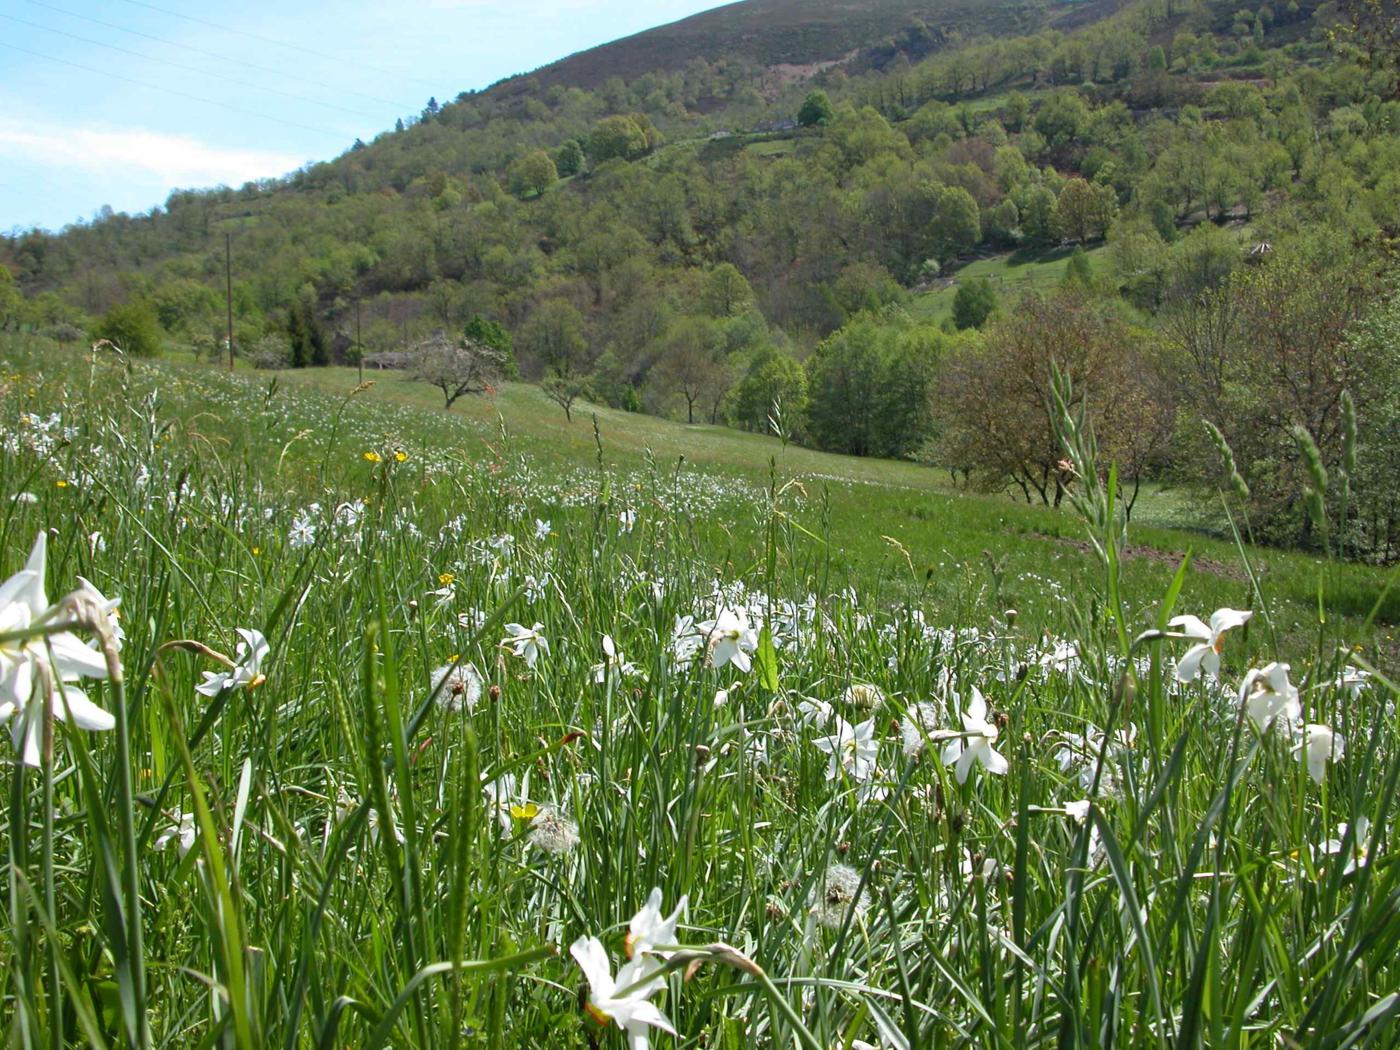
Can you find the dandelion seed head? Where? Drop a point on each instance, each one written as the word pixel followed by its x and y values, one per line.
pixel 839 892
pixel 552 832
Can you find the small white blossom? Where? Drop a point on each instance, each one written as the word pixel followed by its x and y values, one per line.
pixel 622 1000
pixel 183 830
pixel 613 663
pixel 526 642
pixel 1268 695
pixel 302 534
pixel 977 745
pixel 1320 745
pixel 1360 844
pixel 731 639
pixel 38 674
pixel 247 669
pixel 1205 655
pixel 1078 811
pixel 853 750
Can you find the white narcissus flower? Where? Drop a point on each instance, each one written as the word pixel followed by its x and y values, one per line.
pixel 812 712
pixel 1078 811
pixel 1267 695
pixel 976 744
pixel 614 661
pixel 649 928
pixel 106 606
pixel 852 749
pixel 526 642
pixel 183 830
pixel 1211 639
pixel 542 529
pixel 623 999
pixel 1063 658
pixel 247 665
pixel 53 662
pixel 1353 680
pixel 1320 746
pixel 731 639
pixel 1360 844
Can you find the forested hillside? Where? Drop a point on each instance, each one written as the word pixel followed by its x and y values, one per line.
pixel 1207 193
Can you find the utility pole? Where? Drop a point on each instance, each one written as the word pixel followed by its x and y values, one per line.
pixel 359 346
pixel 228 293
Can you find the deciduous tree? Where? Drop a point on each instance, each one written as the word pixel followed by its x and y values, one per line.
pixel 457 367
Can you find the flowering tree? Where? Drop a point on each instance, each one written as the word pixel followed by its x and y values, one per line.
pixel 457 368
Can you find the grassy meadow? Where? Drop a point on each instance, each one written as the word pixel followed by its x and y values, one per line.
pixel 1013 275
pixel 405 713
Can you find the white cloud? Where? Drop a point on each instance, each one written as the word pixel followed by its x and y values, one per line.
pixel 125 153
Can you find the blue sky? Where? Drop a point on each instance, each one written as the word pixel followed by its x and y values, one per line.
pixel 117 102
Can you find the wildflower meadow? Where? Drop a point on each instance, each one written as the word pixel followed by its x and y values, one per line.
pixel 328 734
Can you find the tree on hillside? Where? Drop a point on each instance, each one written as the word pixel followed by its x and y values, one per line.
pixel 1371 29
pixel 957 223
pixel 726 292
pixel 491 333
pixel 132 326
pixel 691 365
pixel 816 110
pixel 1078 271
pixel 532 174
pixel 869 387
pixel 974 302
pixel 564 390
pixel 1271 349
pixel 456 367
pixel 10 299
pixel 304 334
pixel 616 137
pixel 774 385
pixel 1061 118
pixel 1084 211
pixel 570 159
pixel 554 336
pixel 998 410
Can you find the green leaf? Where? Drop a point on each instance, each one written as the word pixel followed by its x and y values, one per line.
pixel 766 660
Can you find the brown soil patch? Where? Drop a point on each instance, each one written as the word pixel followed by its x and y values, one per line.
pixel 1210 565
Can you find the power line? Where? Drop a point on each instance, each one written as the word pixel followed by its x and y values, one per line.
pixel 189 69
pixel 225 58
pixel 339 60
pixel 167 91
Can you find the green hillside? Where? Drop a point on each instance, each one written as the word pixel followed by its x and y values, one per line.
pixel 708 240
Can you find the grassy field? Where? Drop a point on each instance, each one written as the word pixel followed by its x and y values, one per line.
pixel 889 524
pixel 404 716
pixel 1012 275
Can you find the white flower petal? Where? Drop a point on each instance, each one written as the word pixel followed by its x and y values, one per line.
pixel 85 714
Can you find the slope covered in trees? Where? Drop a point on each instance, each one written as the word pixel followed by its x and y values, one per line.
pixel 714 241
